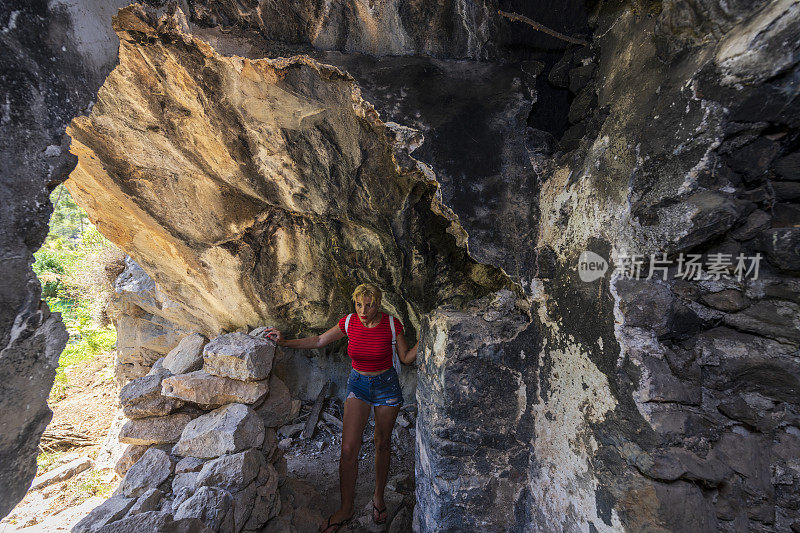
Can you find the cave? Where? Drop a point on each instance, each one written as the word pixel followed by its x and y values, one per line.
pixel 527 183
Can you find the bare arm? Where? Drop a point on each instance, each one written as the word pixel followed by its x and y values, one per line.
pixel 406 356
pixel 317 341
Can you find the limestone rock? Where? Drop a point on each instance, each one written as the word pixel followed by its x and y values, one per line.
pixel 782 246
pixel 110 510
pixel 210 390
pixel 211 505
pixel 185 479
pixel 259 200
pixel 267 502
pixel 149 501
pixel 142 398
pixel 148 521
pixel 187 356
pixel 154 430
pixel 129 456
pixel 278 408
pixel 189 464
pixel 148 323
pixel 63 472
pixel 229 429
pixel 186 525
pixel 239 356
pixel 232 472
pixel 154 467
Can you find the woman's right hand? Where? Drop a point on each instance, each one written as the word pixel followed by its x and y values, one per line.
pixel 274 334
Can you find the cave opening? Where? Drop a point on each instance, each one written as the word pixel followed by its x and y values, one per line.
pixel 258 161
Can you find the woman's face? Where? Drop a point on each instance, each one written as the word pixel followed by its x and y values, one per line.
pixel 366 308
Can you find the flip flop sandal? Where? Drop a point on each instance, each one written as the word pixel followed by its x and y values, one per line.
pixel 338 525
pixel 380 512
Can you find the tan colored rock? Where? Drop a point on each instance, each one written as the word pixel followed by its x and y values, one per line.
pixel 187 356
pixel 154 430
pixel 204 389
pixel 239 356
pixel 129 456
pixel 283 150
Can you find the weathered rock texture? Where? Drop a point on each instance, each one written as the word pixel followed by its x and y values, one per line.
pixel 257 190
pixel 149 325
pixel 55 55
pixel 288 189
pixel 224 469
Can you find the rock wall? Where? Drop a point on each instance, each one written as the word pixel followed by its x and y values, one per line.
pixel 258 171
pixel 54 56
pixel 262 191
pixel 202 444
pixel 671 404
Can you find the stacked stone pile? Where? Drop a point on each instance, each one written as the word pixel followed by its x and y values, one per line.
pixel 202 449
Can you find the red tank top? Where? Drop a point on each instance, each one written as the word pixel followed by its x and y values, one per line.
pixel 370 348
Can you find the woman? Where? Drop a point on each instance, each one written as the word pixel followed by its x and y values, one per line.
pixel 372 382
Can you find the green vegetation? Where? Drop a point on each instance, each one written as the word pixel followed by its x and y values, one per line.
pixel 76 267
pixel 92 485
pixel 46 461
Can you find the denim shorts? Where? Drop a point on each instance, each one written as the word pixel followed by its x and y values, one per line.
pixel 383 389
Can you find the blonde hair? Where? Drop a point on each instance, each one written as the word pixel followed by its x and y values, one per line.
pixel 368 289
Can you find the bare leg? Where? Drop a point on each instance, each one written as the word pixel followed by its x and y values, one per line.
pixel 385 416
pixel 356 413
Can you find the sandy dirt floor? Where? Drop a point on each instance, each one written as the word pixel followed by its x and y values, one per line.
pixel 319 468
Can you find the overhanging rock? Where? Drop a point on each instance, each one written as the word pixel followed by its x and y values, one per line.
pixel 258 191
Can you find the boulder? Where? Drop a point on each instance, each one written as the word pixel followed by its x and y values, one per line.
pixel 229 429
pixel 211 505
pixel 154 430
pixel 150 471
pixel 189 464
pixel 140 523
pixel 110 510
pixel 142 397
pixel 149 501
pixel 243 503
pixel 186 479
pixel 267 503
pixel 782 246
pixel 232 472
pixel 158 368
pixel 210 390
pixel 130 455
pixel 186 525
pixel 62 473
pixel 187 356
pixel 239 356
pixel 278 408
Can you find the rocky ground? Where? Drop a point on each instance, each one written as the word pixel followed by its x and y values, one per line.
pixel 313 467
pixel 85 476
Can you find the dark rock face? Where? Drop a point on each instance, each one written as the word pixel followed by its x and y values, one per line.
pixel 473 427
pixel 656 394
pixel 53 62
